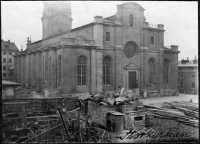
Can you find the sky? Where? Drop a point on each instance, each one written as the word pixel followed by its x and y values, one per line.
pixel 22 19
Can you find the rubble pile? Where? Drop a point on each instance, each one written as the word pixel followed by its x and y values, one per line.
pixel 113 97
pixel 123 101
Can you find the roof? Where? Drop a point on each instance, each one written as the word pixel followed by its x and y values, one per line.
pixel 189 64
pixel 117 113
pixel 57 35
pixel 7 45
pixel 10 83
pixel 132 3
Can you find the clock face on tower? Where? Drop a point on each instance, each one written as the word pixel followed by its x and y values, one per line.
pixel 131 50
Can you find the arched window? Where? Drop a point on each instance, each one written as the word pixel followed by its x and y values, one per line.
pixel 166 71
pixel 131 20
pixel 82 61
pixel 152 40
pixel 151 70
pixel 59 70
pixel 107 36
pixel 106 70
pixel 49 68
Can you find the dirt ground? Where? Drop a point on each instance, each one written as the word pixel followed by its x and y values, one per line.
pixel 157 101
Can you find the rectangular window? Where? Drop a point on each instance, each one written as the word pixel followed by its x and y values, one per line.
pixel 4 74
pixel 193 76
pixel 107 36
pixel 11 73
pixel 10 53
pixel 4 67
pixel 152 40
pixel 193 85
pixel 181 76
pixel 4 60
pixel 4 53
pixel 10 60
pixel 181 84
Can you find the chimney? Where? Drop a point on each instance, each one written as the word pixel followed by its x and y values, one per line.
pixel 160 26
pixel 174 47
pixel 184 61
pixel 98 19
pixel 28 43
pixel 8 41
pixel 195 61
pixel 146 24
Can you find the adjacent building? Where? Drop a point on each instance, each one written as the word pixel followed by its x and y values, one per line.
pixel 8 50
pixel 122 50
pixel 188 76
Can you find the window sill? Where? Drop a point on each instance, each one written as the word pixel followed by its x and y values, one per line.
pixel 82 86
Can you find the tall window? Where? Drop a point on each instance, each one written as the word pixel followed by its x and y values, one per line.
pixel 151 70
pixel 82 70
pixel 4 53
pixel 131 20
pixel 4 67
pixel 49 71
pixel 59 70
pixel 10 60
pixel 193 85
pixel 152 40
pixel 166 71
pixel 4 60
pixel 181 84
pixel 107 36
pixel 106 70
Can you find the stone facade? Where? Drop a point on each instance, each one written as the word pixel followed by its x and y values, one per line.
pixel 188 76
pixel 8 50
pixel 125 39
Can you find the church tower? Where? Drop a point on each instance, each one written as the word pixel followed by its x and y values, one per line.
pixel 56 18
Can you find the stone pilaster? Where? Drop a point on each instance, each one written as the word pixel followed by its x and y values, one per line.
pixel 99 71
pixel 15 68
pixel 160 71
pixel 93 71
pixel 54 69
pixel 119 69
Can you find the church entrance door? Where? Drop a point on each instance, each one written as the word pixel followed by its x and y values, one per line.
pixel 132 82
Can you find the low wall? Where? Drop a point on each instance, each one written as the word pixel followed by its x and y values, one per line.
pixel 163 92
pixel 23 93
pixel 165 124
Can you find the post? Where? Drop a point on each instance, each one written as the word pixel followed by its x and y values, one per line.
pixel 78 122
pixel 59 110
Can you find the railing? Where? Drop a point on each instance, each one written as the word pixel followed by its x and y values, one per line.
pixel 55 134
pixel 152 26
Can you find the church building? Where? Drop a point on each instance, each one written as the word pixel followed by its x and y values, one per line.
pixel 122 50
